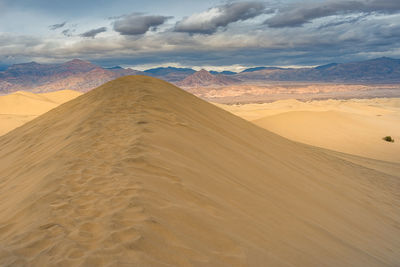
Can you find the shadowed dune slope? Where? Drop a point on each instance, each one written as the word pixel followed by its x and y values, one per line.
pixel 140 173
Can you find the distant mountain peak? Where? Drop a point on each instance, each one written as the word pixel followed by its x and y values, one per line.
pixel 203 71
pixel 78 61
pixel 170 74
pixel 115 68
pixel 28 64
pixel 75 74
pixel 326 66
pixel 169 68
pixel 260 68
pixel 224 72
pixel 205 78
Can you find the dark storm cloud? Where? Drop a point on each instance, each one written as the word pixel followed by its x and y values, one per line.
pixel 93 33
pixel 348 20
pixel 68 32
pixel 209 21
pixel 136 24
pixel 297 15
pixel 57 26
pixel 311 46
pixel 225 34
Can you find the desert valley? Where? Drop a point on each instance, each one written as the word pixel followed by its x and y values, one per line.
pixel 239 133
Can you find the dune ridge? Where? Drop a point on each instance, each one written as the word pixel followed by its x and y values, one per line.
pixel 140 173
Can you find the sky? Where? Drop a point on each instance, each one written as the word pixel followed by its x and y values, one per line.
pixel 214 34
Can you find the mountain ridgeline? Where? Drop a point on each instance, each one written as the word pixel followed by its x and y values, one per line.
pixel 83 76
pixel 73 75
pixel 204 78
pixel 375 71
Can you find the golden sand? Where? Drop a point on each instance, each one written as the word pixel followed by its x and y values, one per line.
pixel 140 173
pixel 354 126
pixel 20 107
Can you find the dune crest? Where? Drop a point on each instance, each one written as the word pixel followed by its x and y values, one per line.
pixel 139 172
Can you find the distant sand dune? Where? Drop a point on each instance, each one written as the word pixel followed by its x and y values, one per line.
pixel 140 173
pixel 21 107
pixel 352 126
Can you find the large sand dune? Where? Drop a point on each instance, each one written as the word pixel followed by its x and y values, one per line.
pixel 140 173
pixel 21 107
pixel 354 126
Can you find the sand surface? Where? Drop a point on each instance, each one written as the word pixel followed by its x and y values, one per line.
pixel 354 126
pixel 21 107
pixel 141 173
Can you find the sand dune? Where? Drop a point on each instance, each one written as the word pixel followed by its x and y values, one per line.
pixel 21 107
pixel 140 173
pixel 353 126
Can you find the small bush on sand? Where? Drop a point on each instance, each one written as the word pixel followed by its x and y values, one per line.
pixel 388 139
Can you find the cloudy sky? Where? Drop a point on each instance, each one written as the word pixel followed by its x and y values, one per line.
pixel 208 33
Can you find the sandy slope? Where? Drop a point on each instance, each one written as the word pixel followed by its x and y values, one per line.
pixel 141 173
pixel 21 107
pixel 353 126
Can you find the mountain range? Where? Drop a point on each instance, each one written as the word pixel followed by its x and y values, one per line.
pixel 74 75
pixel 170 74
pixel 204 78
pixel 380 70
pixel 83 76
pixel 225 72
pixel 260 68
